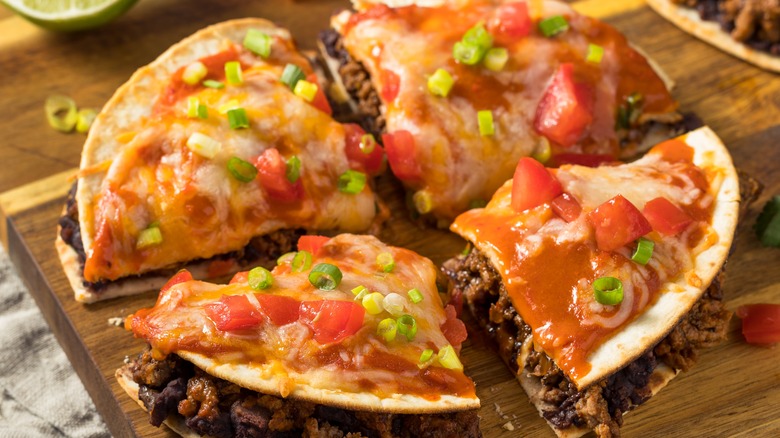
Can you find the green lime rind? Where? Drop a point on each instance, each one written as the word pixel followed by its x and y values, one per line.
pixel 75 23
pixel 768 223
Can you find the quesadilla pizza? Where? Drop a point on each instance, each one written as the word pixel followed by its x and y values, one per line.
pixel 459 91
pixel 219 154
pixel 600 284
pixel 346 337
pixel 747 29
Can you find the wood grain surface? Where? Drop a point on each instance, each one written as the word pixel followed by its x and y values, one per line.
pixel 733 391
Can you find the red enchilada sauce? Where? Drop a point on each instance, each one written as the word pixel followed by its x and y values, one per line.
pixel 551 288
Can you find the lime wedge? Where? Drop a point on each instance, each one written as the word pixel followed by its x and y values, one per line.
pixel 69 15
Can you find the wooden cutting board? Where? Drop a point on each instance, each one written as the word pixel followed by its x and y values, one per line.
pixel 733 391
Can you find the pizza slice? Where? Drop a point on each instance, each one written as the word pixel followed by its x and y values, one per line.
pixel 346 337
pixel 459 91
pixel 218 154
pixel 600 284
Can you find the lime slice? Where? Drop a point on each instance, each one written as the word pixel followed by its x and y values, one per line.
pixel 69 15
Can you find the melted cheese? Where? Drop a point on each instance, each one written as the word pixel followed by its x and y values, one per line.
pixel 458 164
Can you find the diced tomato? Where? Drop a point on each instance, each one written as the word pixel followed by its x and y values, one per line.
pixel 218 268
pixel 240 277
pixel 665 217
pixel 567 207
pixel 512 21
pixel 390 85
pixel 332 320
pixel 760 323
pixel 233 312
pixel 272 173
pixel 320 101
pixel 533 185
pixel 456 300
pixel 453 328
pixel 279 309
pixel 673 150
pixel 566 108
pixel 311 243
pixel 589 160
pixel 371 162
pixel 180 277
pixel 402 155
pixel 617 223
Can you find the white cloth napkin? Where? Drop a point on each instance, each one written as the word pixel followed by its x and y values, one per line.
pixel 40 394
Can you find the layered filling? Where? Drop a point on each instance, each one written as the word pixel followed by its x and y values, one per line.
pixel 210 406
pixel 261 250
pixel 755 23
pixel 601 405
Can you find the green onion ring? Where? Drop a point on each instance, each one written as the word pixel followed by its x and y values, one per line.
pixel 61 113
pixel 260 278
pixel 407 326
pixel 301 261
pixel 608 290
pixel 644 250
pixel 241 170
pixel 325 276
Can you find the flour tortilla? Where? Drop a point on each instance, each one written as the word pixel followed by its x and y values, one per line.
pixel 678 297
pixel 688 20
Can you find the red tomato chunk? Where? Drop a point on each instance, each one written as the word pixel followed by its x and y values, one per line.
pixel 370 162
pixel 402 155
pixel 233 312
pixel 566 108
pixel 760 323
pixel 567 207
pixel 512 21
pixel 331 320
pixel 279 309
pixel 617 222
pixel 311 243
pixel 665 217
pixel 180 277
pixel 390 85
pixel 533 185
pixel 272 173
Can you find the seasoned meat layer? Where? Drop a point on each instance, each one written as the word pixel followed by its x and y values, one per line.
pixel 753 22
pixel 601 406
pixel 261 250
pixel 215 407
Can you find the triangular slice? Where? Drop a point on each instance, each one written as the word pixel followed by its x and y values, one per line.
pixel 651 236
pixel 225 138
pixel 348 334
pixel 463 89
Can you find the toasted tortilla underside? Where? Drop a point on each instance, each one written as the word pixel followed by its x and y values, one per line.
pixel 676 297
pixel 688 20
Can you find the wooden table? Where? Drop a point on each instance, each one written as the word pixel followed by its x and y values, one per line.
pixel 734 390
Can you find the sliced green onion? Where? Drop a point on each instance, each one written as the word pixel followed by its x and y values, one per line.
pixel 373 303
pixel 385 261
pixel 260 278
pixel 352 182
pixel 478 36
pixel 85 118
pixel 367 143
pixel 629 111
pixel 595 53
pixel 440 83
pixel 449 359
pixel 359 292
pixel 258 42
pixel 291 75
pixel 477 203
pixel 543 151
pixel 211 83
pixel 149 237
pixel 467 54
pixel 485 122
pixel 192 107
pixel 394 304
pixel 423 201
pixel 305 90
pixel 301 261
pixel 194 73
pixel 233 73
pixel 241 170
pixel 496 58
pixel 415 295
pixel 286 258
pixel 386 329
pixel 644 250
pixel 767 224
pixel 237 118
pixel 61 113
pixel 293 170
pixel 203 111
pixel 608 290
pixel 553 26
pixel 325 276
pixel 227 106
pixel 426 355
pixel 467 250
pixel 407 326
pixel 203 145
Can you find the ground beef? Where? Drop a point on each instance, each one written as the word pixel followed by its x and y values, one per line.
pixel 357 81
pixel 601 406
pixel 215 407
pixel 261 250
pixel 753 22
